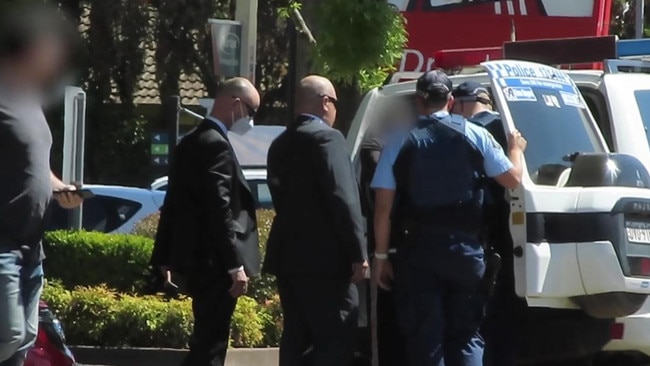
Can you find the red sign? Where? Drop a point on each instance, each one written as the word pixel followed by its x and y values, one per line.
pixel 435 25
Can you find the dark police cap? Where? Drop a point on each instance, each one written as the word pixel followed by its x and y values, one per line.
pixel 434 85
pixel 472 91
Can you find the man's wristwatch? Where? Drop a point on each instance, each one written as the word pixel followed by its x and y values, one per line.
pixel 381 256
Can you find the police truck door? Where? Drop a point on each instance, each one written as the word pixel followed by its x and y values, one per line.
pixel 544 104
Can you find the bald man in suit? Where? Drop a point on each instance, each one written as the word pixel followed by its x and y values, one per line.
pixel 207 231
pixel 316 247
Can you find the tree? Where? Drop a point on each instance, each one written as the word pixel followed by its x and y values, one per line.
pixel 358 44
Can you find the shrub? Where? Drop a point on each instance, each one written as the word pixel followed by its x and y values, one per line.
pixel 148 226
pixel 97 316
pixel 79 258
pixel 262 287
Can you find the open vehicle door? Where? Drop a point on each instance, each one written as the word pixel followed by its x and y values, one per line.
pixel 564 255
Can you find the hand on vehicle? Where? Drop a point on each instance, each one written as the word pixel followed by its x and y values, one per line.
pixel 517 141
pixel 359 271
pixel 67 199
pixel 239 284
pixel 382 272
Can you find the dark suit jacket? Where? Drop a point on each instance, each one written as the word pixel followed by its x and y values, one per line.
pixel 318 229
pixel 369 157
pixel 207 222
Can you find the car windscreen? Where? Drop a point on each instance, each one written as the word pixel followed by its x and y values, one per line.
pixel 643 103
pixel 556 124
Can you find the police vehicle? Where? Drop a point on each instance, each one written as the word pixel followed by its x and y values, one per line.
pixel 579 223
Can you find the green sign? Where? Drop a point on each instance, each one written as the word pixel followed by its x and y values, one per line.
pixel 159 149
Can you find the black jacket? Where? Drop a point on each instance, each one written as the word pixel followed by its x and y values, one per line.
pixel 318 229
pixel 207 222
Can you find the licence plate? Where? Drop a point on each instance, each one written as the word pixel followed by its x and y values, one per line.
pixel 638 232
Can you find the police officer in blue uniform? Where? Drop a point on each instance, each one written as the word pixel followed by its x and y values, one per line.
pixel 430 182
pixel 500 329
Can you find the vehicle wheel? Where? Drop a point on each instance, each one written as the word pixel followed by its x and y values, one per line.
pixel 610 305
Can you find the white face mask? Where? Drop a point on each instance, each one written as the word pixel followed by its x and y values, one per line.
pixel 242 125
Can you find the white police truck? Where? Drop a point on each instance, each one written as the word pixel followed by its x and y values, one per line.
pixel 579 223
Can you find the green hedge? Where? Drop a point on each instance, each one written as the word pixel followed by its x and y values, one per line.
pixel 98 316
pixel 95 280
pixel 120 261
pixel 89 259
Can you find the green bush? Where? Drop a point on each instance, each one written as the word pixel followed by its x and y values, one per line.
pixel 262 287
pixel 148 226
pixel 94 279
pixel 97 316
pixel 79 258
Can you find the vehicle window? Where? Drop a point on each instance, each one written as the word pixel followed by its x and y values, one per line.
pixel 554 132
pixel 106 214
pixel 643 102
pixel 597 105
pixel 162 188
pixel 59 218
pixel 100 213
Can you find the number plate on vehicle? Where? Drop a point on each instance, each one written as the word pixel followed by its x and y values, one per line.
pixel 638 232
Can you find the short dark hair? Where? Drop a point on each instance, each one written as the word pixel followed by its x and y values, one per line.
pixel 24 24
pixel 436 103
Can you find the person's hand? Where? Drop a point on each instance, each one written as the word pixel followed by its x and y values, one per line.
pixel 359 271
pixel 382 272
pixel 239 284
pixel 517 141
pixel 66 198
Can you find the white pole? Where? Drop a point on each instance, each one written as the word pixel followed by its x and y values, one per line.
pixel 246 13
pixel 639 22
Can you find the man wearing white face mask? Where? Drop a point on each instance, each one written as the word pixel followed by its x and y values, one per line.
pixel 207 231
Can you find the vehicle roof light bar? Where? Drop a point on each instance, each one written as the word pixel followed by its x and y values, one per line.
pixel 567 51
pixel 450 59
pixel 633 47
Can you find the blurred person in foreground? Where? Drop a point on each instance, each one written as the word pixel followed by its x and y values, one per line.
pixel 35 43
pixel 207 231
pixel 316 246
pixel 473 101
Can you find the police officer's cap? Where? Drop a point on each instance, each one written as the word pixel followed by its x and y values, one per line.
pixel 471 91
pixel 434 86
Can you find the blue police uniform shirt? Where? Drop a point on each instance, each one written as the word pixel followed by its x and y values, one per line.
pixel 495 161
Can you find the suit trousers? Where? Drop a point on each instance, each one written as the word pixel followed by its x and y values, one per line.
pixel 213 307
pixel 320 321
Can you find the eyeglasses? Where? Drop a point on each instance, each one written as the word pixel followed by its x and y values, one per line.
pixel 331 99
pixel 249 109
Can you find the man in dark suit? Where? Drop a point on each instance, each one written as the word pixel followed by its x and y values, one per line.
pixel 207 231
pixel 316 247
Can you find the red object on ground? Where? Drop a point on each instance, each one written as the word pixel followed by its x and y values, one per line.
pixel 435 25
pixel 49 349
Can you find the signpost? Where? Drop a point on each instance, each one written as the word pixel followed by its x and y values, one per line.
pixel 234 42
pixel 160 148
pixel 74 136
pixel 226 47
pixel 246 14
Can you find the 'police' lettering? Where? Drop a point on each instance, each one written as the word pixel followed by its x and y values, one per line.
pixel 520 71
